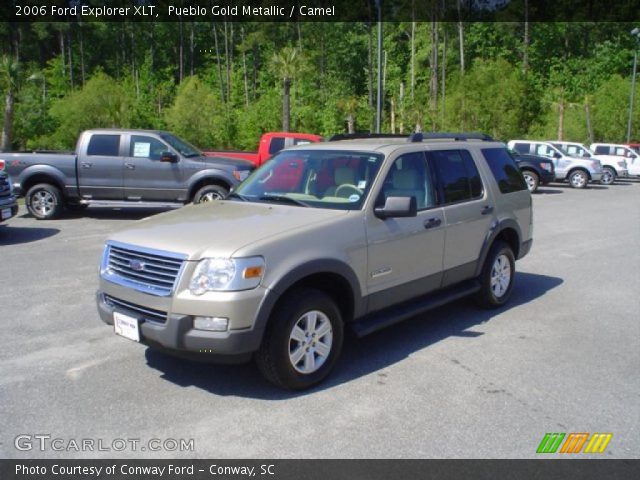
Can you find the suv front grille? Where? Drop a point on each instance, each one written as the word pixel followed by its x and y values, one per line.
pixel 149 271
pixel 143 312
pixel 5 189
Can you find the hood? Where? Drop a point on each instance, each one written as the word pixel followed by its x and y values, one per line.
pixel 227 163
pixel 219 228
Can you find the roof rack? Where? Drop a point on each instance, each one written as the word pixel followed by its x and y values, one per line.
pixel 415 136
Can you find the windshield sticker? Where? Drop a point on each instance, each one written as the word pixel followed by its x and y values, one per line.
pixel 362 184
pixel 141 149
pixel 354 198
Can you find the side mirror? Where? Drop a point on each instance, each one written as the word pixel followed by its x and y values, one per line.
pixel 397 207
pixel 557 155
pixel 168 157
pixel 587 155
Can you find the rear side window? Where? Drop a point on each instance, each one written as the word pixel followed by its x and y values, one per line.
pixel 521 147
pixel 277 144
pixel 504 170
pixel 458 177
pixel 602 150
pixel 104 145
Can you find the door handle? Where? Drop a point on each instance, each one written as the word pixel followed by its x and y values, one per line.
pixel 487 209
pixel 130 166
pixel 86 165
pixel 432 222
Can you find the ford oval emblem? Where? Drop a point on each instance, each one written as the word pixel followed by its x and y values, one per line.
pixel 136 265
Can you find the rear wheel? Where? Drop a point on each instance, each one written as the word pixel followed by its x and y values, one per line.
pixel 44 201
pixel 209 193
pixel 532 180
pixel 497 276
pixel 608 176
pixel 578 179
pixel 302 342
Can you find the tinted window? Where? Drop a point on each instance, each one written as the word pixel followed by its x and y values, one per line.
pixel 504 170
pixel 146 147
pixel 104 145
pixel 602 150
pixel 458 176
pixel 277 144
pixel 521 147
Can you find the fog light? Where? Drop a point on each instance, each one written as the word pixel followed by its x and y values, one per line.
pixel 213 324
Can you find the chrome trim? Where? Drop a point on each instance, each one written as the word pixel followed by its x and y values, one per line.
pixel 153 285
pixel 148 314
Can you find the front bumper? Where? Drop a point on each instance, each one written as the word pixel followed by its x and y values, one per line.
pixel 622 173
pixel 171 330
pixel 8 208
pixel 547 177
pixel 595 176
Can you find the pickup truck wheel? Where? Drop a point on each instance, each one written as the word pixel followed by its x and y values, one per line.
pixel 579 179
pixel 302 342
pixel 608 176
pixel 532 180
pixel 497 276
pixel 209 193
pixel 44 201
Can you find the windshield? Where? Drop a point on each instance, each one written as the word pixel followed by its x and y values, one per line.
pixel 338 180
pixel 185 149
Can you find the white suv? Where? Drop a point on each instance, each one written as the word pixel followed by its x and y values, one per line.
pixel 616 151
pixel 577 171
pixel 612 167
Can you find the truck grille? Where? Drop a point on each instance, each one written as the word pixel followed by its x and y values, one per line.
pixel 145 313
pixel 5 189
pixel 146 270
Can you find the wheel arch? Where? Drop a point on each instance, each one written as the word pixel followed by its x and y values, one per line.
pixel 200 182
pixel 506 230
pixel 330 276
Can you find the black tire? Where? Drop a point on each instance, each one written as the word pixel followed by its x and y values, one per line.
pixel 532 179
pixel 608 176
pixel 578 179
pixel 275 356
pixel 489 296
pixel 44 201
pixel 209 193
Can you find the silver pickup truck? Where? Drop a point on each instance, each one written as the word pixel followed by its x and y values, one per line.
pixel 113 165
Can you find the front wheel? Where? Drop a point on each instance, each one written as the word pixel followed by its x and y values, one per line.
pixel 532 180
pixel 579 179
pixel 497 276
pixel 44 201
pixel 209 193
pixel 302 342
pixel 608 176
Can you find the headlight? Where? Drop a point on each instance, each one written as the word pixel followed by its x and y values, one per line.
pixel 226 274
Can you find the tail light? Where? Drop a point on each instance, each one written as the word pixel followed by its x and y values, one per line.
pixel 547 166
pixel 2 163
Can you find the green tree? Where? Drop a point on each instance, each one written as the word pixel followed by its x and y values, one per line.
pixel 286 64
pixel 611 111
pixel 9 69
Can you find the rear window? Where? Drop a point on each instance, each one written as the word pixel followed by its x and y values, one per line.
pixel 104 145
pixel 504 170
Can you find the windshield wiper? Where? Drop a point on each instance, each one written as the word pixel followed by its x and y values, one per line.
pixel 284 198
pixel 237 195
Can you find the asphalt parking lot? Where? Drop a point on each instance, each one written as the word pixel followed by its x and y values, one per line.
pixel 459 382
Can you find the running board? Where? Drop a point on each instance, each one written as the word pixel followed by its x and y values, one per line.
pixel 392 315
pixel 131 203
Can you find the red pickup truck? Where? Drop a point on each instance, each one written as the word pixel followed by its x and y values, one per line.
pixel 270 144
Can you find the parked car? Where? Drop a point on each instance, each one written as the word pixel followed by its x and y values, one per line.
pixel 612 168
pixel 270 144
pixel 634 146
pixel 577 171
pixel 358 234
pixel 535 169
pixel 116 165
pixel 617 151
pixel 8 203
